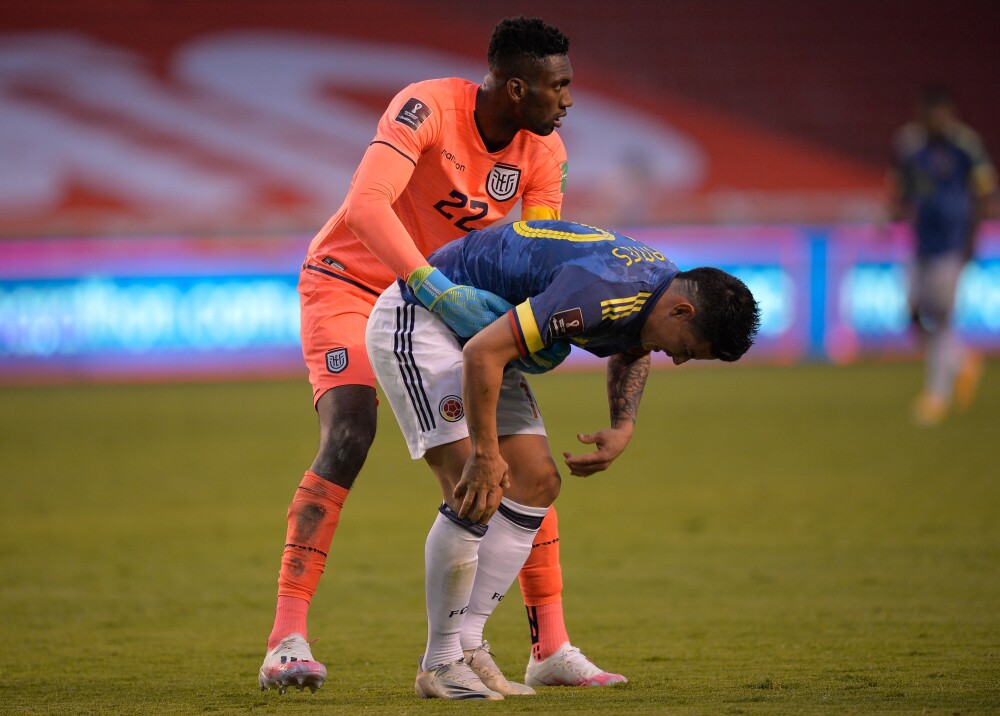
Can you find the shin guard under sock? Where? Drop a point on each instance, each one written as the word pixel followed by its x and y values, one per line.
pixel 312 521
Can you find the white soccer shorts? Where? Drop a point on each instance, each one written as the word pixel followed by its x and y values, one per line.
pixel 418 363
pixel 934 283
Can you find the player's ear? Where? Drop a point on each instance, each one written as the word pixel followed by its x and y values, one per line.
pixel 682 310
pixel 516 88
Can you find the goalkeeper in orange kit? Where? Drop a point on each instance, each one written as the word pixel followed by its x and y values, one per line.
pixel 449 156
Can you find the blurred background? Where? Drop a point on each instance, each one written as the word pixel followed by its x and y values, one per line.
pixel 778 536
pixel 165 163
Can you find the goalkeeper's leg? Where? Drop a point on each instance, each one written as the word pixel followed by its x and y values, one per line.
pixel 334 316
pixel 554 661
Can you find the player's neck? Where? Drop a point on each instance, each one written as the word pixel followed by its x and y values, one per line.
pixel 495 132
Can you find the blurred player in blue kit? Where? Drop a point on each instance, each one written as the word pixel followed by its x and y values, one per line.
pixel 467 409
pixel 942 181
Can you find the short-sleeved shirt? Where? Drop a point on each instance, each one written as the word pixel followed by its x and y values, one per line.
pixel 457 185
pixel 939 178
pixel 568 282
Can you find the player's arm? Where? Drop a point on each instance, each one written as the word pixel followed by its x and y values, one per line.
pixel 485 474
pixel 626 380
pixel 896 201
pixel 542 204
pixel 984 188
pixel 898 189
pixel 383 174
pixel 544 195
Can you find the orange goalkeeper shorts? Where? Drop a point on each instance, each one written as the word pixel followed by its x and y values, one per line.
pixel 334 313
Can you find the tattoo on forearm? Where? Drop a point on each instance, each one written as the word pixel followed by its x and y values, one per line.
pixel 626 381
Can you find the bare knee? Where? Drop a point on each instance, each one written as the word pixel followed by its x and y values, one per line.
pixel 347 423
pixel 549 485
pixel 540 488
pixel 343 450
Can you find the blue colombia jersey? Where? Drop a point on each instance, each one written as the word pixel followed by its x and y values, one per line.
pixel 567 281
pixel 940 177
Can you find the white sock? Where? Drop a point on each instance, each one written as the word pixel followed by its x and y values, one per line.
pixel 502 553
pixel 945 355
pixel 450 558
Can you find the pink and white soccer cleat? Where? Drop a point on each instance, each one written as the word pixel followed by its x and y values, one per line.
pixel 568 667
pixel 291 663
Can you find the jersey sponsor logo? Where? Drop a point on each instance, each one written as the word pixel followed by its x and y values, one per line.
pixel 502 182
pixel 453 159
pixel 413 113
pixel 336 360
pixel 451 408
pixel 566 323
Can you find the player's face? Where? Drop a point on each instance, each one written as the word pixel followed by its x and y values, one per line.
pixel 938 119
pixel 547 97
pixel 672 333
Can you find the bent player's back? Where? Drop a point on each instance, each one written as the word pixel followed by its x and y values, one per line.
pixel 568 281
pixel 457 185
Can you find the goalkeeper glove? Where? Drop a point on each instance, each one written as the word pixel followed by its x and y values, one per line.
pixel 466 310
pixel 544 360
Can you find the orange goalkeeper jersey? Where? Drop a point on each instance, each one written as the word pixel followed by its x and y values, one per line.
pixel 456 186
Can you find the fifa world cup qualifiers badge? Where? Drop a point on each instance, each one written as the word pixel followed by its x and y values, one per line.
pixel 413 113
pixel 566 323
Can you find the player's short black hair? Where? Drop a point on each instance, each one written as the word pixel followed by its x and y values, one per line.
pixel 726 313
pixel 935 95
pixel 519 42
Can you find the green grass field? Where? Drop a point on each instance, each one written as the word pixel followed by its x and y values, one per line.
pixel 776 540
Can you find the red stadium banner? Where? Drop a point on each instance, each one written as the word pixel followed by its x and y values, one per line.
pixel 126 117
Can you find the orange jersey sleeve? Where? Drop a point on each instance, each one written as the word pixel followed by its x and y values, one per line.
pixel 456 185
pixel 547 185
pixel 381 177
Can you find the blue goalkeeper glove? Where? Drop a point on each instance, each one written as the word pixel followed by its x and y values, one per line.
pixel 466 310
pixel 544 360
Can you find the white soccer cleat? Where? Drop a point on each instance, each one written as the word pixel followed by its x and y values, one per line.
pixel 568 667
pixel 481 661
pixel 452 681
pixel 291 663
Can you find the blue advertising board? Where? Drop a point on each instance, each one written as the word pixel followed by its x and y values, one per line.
pixel 168 307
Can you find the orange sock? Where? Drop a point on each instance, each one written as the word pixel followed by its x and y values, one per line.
pixel 541 586
pixel 312 520
pixel 289 618
pixel 548 630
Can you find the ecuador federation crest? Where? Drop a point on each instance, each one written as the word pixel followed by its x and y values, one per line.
pixel 336 360
pixel 501 184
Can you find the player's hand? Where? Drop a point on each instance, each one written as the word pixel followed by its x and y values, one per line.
pixel 478 493
pixel 544 360
pixel 610 443
pixel 466 309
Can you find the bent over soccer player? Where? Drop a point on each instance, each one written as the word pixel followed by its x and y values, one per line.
pixel 470 413
pixel 448 156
